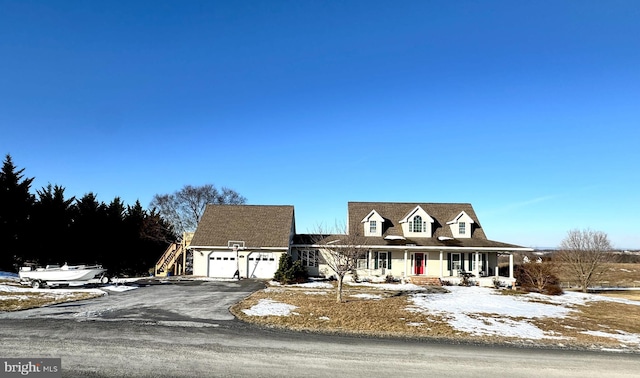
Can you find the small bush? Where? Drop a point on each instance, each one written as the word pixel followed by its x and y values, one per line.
pixel 389 279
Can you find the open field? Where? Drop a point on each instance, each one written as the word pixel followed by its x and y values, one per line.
pixel 466 314
pixel 616 275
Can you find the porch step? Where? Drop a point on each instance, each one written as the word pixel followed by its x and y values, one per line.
pixel 425 281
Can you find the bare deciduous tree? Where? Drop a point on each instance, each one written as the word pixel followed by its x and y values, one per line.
pixel 340 250
pixel 585 254
pixel 184 208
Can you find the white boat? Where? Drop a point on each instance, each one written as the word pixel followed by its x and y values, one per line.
pixel 55 274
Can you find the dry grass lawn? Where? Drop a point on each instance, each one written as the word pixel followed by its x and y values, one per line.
pixel 318 311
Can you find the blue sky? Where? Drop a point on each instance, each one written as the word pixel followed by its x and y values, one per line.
pixel 529 110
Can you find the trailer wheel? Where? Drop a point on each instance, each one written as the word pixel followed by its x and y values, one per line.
pixel 104 280
pixel 36 284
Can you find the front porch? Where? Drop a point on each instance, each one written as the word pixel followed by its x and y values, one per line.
pixel 449 267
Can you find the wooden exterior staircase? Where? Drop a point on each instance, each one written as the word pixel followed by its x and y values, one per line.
pixel 174 259
pixel 425 281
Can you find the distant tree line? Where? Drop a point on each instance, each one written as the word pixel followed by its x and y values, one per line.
pixel 47 228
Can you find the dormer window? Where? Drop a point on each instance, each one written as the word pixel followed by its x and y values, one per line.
pixel 372 224
pixel 461 225
pixel 417 223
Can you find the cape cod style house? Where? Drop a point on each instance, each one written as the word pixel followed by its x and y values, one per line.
pixel 409 241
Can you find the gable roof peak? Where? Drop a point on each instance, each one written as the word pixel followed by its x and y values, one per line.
pixel 417 209
pixel 373 213
pixel 457 218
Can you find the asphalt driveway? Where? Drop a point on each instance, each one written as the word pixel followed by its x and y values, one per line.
pixel 193 302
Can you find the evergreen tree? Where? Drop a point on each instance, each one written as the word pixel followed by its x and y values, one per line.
pixel 289 271
pixel 89 237
pixel 114 236
pixel 15 207
pixel 51 222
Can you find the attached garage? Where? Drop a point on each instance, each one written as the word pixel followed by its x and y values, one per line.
pixel 222 264
pixel 248 238
pixel 261 264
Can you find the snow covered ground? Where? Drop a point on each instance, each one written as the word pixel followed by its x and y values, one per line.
pixel 12 292
pixel 22 292
pixel 481 311
pixel 484 311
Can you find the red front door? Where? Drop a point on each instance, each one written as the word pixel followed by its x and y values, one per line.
pixel 419 264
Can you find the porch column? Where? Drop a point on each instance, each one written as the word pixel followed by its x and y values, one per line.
pixel 476 270
pixel 441 266
pixel 511 265
pixel 405 264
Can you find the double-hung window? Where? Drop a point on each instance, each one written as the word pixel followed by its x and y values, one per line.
pixel 373 227
pixel 462 226
pixel 309 258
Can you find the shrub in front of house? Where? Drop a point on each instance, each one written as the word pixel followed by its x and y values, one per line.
pixel 289 271
pixel 538 277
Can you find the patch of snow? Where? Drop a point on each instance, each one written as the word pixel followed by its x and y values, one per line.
pixel 415 324
pixel 268 307
pixel 210 279
pixel 324 318
pixel 465 308
pixel 621 336
pixel 578 298
pixel 119 288
pixel 381 286
pixel 484 311
pixel 366 296
pixel 315 285
pixel 316 292
pixel 56 291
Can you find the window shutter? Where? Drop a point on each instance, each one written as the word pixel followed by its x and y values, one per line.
pixel 389 260
pixel 448 260
pixel 471 258
pixel 375 261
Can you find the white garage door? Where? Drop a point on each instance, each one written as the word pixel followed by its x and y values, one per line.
pixel 261 265
pixel 222 264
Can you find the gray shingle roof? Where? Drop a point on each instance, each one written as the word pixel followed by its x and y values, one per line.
pixel 256 225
